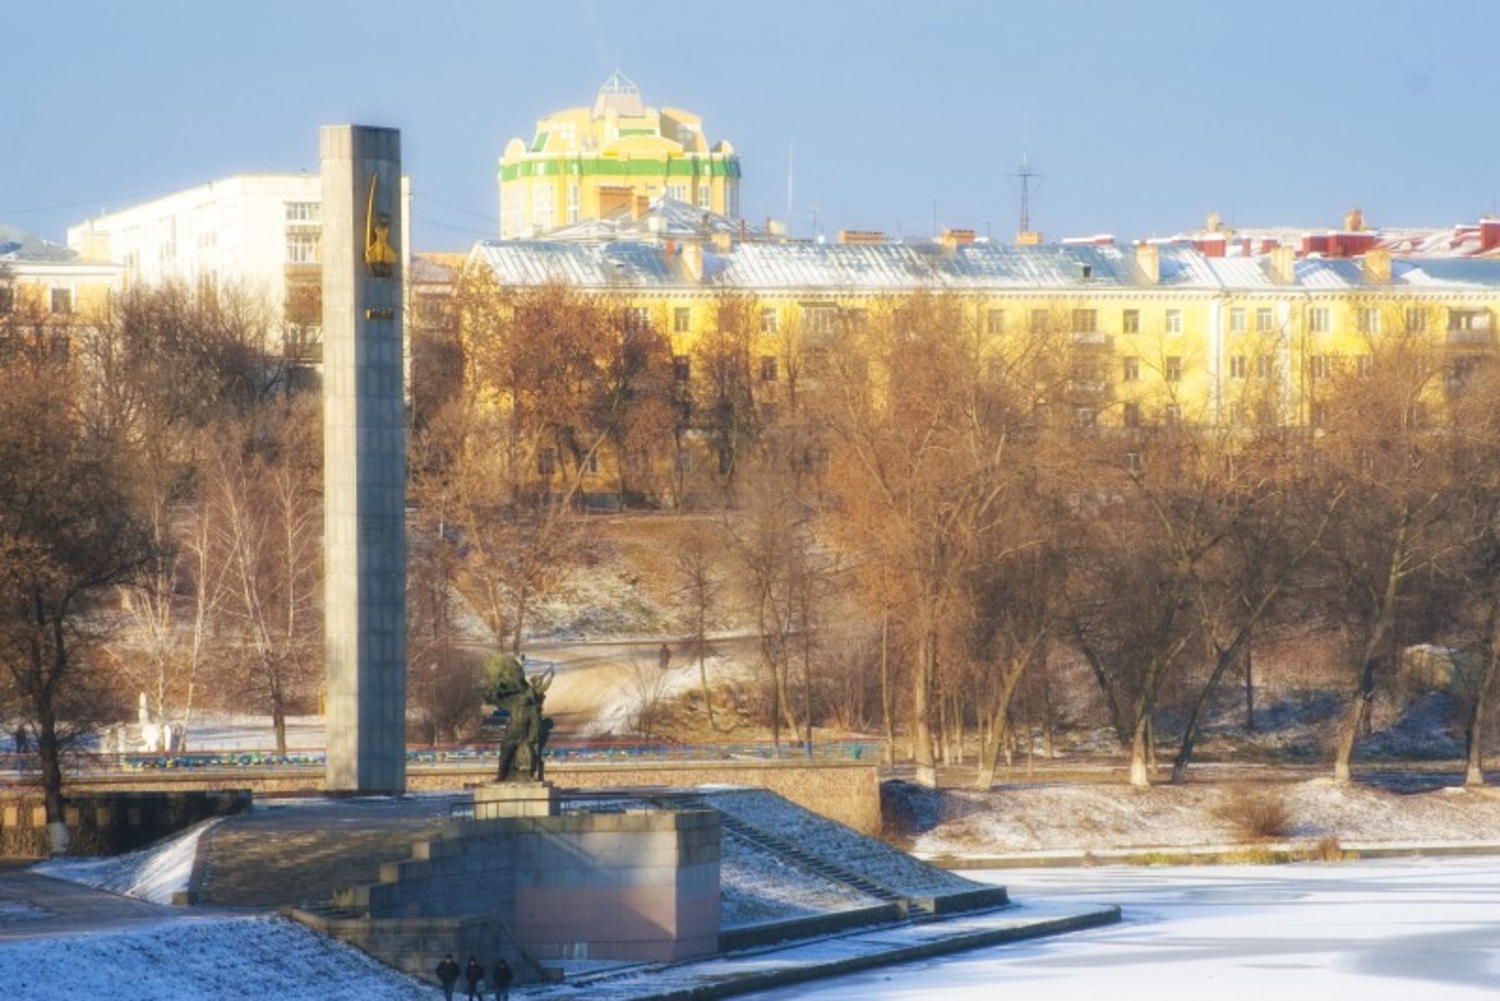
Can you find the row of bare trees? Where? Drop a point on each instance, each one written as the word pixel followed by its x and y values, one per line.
pixel 159 517
pixel 918 542
pixel 914 544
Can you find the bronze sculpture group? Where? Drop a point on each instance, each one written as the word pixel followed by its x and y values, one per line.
pixel 507 687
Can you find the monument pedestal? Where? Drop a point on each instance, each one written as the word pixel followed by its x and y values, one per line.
pixel 515 799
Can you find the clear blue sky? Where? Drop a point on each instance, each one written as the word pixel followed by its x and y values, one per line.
pixel 1141 117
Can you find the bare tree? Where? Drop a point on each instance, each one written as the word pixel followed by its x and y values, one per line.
pixel 68 537
pixel 1376 422
pixel 267 524
pixel 697 595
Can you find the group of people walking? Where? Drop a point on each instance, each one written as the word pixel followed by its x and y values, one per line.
pixel 473 974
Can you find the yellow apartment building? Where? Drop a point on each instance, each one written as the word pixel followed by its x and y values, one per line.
pixel 1142 336
pixel 590 162
pixel 54 297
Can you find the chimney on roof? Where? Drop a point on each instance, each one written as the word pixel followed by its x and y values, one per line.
pixel 1377 269
pixel 692 260
pixel 613 198
pixel 951 239
pixel 1148 263
pixel 1489 233
pixel 1284 265
pixel 861 236
pixel 1354 221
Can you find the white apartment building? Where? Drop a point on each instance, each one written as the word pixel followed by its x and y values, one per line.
pixel 262 233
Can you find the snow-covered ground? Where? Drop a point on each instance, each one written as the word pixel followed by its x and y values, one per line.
pixel 1369 930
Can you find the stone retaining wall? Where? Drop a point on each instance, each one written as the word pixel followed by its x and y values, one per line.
pixel 848 792
pixel 111 822
pixel 640 885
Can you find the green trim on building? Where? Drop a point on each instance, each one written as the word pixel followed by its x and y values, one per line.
pixel 540 142
pixel 609 166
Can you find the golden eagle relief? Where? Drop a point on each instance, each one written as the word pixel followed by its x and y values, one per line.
pixel 379 254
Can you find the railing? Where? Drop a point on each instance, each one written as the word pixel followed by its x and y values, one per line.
pixel 560 753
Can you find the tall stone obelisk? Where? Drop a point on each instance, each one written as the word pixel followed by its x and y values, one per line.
pixel 364 461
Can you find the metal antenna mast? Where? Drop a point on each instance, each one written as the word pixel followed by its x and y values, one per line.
pixel 1026 235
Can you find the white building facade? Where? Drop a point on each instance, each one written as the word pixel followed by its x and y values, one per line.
pixel 260 233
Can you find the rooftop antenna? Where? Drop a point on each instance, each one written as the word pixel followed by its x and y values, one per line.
pixel 1026 236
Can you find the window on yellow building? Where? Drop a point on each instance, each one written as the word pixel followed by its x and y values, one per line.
pixel 1468 319
pixel 1238 368
pixel 1132 366
pixel 1085 417
pixel 1368 320
pixel 1130 321
pixel 1237 323
pixel 542 213
pixel 819 319
pixel 1416 319
pixel 682 318
pixel 1319 415
pixel 1133 461
pixel 1265 366
pixel 994 321
pixel 1173 371
pixel 1174 321
pixel 768 368
pixel 770 323
pixel 1318 320
pixel 1173 414
pixel 681 367
pixel 546 462
pixel 1317 366
pixel 1041 319
pixel 1265 320
pixel 574 209
pixel 62 300
pixel 591 464
pixel 705 197
pixel 1132 415
pixel 1085 321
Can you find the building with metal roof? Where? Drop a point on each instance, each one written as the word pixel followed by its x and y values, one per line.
pixel 1165 331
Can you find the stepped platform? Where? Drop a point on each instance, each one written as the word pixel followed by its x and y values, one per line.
pixel 301 853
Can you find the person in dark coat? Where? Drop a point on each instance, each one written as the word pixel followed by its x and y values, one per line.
pixel 500 980
pixel 447 974
pixel 474 976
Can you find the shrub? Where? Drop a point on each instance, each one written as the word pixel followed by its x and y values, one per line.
pixel 1325 849
pixel 1255 814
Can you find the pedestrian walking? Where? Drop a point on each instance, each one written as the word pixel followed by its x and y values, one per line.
pixel 474 976
pixel 500 979
pixel 447 974
pixel 664 657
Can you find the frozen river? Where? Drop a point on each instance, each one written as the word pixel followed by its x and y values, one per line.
pixel 1417 930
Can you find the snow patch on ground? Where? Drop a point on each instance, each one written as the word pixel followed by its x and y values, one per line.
pixel 152 874
pixel 1101 817
pixel 212 957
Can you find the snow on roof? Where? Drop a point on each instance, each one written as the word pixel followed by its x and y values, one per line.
pixel 832 268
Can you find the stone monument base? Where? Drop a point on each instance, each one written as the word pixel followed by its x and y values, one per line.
pixel 515 799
